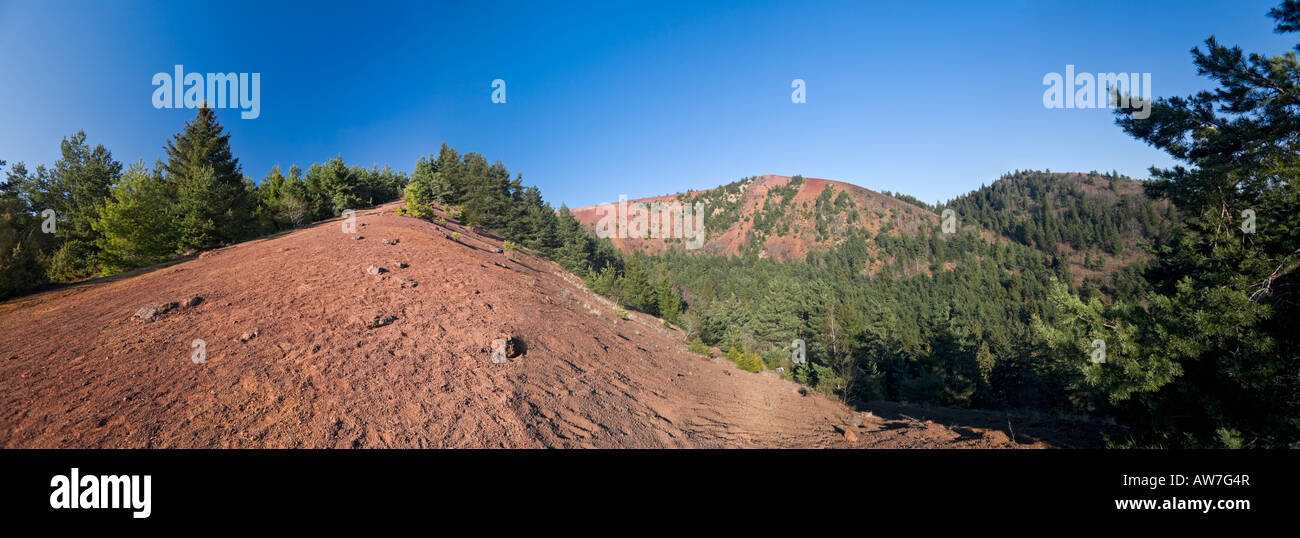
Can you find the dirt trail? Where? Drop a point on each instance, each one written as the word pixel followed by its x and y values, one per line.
pixel 304 348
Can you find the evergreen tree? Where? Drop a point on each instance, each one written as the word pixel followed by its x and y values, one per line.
pixel 20 266
pixel 669 302
pixel 213 205
pixel 1220 349
pixel 136 222
pixel 74 189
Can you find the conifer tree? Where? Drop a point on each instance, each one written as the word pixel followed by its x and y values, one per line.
pixel 213 200
pixel 136 221
pixel 1217 359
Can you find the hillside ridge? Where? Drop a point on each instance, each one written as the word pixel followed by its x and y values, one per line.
pixel 305 347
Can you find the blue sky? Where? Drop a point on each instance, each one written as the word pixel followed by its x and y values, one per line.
pixel 931 99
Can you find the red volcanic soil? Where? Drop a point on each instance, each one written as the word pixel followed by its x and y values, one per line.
pixel 874 210
pixel 305 348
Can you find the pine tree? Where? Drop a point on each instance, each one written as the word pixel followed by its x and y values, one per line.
pixel 214 204
pixel 136 221
pixel 1226 312
pixel 270 193
pixel 635 283
pixel 670 303
pixel 20 268
pixel 78 185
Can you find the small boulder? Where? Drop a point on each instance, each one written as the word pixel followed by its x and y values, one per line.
pixel 376 321
pixel 401 265
pixel 150 314
pixel 506 346
pixel 375 270
pixel 248 336
pixel 391 241
pixel 194 301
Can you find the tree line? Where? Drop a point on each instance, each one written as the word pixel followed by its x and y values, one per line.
pixel 88 215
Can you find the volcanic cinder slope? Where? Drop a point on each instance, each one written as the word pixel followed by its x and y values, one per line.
pixel 755 196
pixel 305 348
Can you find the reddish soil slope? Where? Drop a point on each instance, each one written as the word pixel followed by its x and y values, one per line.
pixel 873 212
pixel 304 348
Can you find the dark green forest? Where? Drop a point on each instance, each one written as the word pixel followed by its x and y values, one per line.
pixel 1196 312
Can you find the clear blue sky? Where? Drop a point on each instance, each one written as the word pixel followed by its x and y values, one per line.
pixel 926 98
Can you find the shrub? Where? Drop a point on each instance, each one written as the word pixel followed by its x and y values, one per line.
pixel 698 347
pixel 750 362
pixel 418 200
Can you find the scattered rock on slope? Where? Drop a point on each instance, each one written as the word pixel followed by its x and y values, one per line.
pixel 150 314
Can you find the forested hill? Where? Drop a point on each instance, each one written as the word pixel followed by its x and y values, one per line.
pixel 1102 223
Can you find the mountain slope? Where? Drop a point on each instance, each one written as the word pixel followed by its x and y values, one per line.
pixel 1099 223
pixel 779 217
pixel 305 348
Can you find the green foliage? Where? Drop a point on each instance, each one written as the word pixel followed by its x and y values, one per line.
pixel 951 337
pixel 136 221
pixel 668 302
pixel 20 265
pixel 826 381
pixel 418 199
pixel 1217 359
pixel 213 203
pixel 74 189
pixel 750 362
pixel 636 288
pixel 744 359
pixel 698 347
pixel 1083 211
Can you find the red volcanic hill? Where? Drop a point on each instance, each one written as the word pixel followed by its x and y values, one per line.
pixel 778 217
pixel 785 218
pixel 307 345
